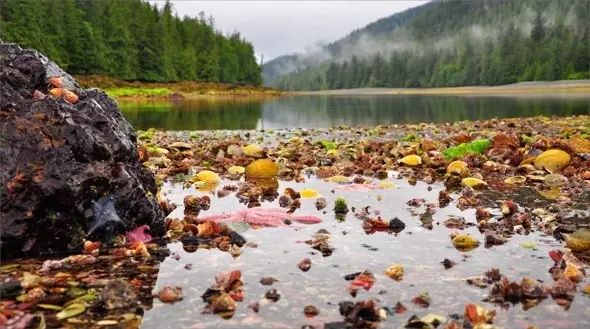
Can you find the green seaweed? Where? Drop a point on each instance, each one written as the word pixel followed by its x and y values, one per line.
pixel 340 206
pixel 328 145
pixel 478 146
pixel 409 138
pixel 146 135
pixel 527 139
pixel 136 92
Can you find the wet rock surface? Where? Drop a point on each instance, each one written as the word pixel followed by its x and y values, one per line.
pixel 57 158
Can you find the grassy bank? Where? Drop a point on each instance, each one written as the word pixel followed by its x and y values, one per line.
pixel 138 90
pixel 570 87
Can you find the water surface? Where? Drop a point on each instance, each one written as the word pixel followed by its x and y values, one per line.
pixel 333 110
pixel 419 250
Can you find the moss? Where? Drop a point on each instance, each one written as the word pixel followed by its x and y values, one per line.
pixel 527 139
pixel 409 138
pixel 340 206
pixel 476 147
pixel 146 134
pixel 141 92
pixel 328 145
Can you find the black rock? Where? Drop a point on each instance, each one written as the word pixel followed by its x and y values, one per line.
pixel 56 158
pixel 237 239
pixel 10 288
pixel 396 225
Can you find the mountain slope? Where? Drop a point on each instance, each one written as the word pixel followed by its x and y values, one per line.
pixel 129 40
pixel 450 43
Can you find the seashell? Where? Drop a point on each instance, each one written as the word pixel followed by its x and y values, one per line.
pixel 464 242
pixel 262 168
pixel 208 229
pixel 65 94
pixel 234 150
pixel 308 193
pixel 170 294
pixel 535 178
pixel 91 247
pixel 70 97
pixel 236 170
pixel 208 177
pixel 515 180
pixel 339 179
pixel 552 160
pixel 332 153
pixel 508 207
pixel 56 92
pixel 458 168
pixel 555 180
pixel 411 160
pixel 472 182
pixel 310 311
pixel 395 271
pixel 174 225
pixel 573 273
pixel 478 315
pixel 386 185
pixel 191 228
pixel 253 150
pixel 578 241
pixel 55 82
pixel 223 303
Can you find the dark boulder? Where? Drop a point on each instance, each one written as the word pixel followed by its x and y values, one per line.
pixel 57 158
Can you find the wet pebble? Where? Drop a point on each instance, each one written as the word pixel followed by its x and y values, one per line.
pixel 272 295
pixel 310 311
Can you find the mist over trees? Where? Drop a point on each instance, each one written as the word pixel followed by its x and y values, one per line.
pixel 455 43
pixel 130 40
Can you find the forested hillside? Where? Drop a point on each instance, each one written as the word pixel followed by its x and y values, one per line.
pixel 130 40
pixel 450 43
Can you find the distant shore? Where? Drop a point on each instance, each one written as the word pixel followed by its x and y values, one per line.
pixel 140 91
pixel 539 88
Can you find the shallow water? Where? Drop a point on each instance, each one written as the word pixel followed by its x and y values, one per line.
pixel 328 111
pixel 419 250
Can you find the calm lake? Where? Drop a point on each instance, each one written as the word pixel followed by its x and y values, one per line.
pixel 328 111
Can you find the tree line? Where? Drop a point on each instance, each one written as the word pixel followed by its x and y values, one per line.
pixel 555 50
pixel 129 40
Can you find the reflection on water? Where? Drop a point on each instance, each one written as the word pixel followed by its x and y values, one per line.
pixel 419 250
pixel 328 111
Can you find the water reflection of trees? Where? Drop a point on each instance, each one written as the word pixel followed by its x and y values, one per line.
pixel 195 115
pixel 328 111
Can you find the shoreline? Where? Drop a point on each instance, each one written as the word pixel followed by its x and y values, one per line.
pixel 532 88
pixel 140 91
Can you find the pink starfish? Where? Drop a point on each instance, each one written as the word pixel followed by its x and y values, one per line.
pixel 138 234
pixel 271 217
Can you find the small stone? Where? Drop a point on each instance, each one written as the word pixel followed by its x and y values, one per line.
pixel 305 264
pixel 272 295
pixel 310 311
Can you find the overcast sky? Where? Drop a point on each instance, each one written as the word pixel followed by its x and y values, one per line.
pixel 282 27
